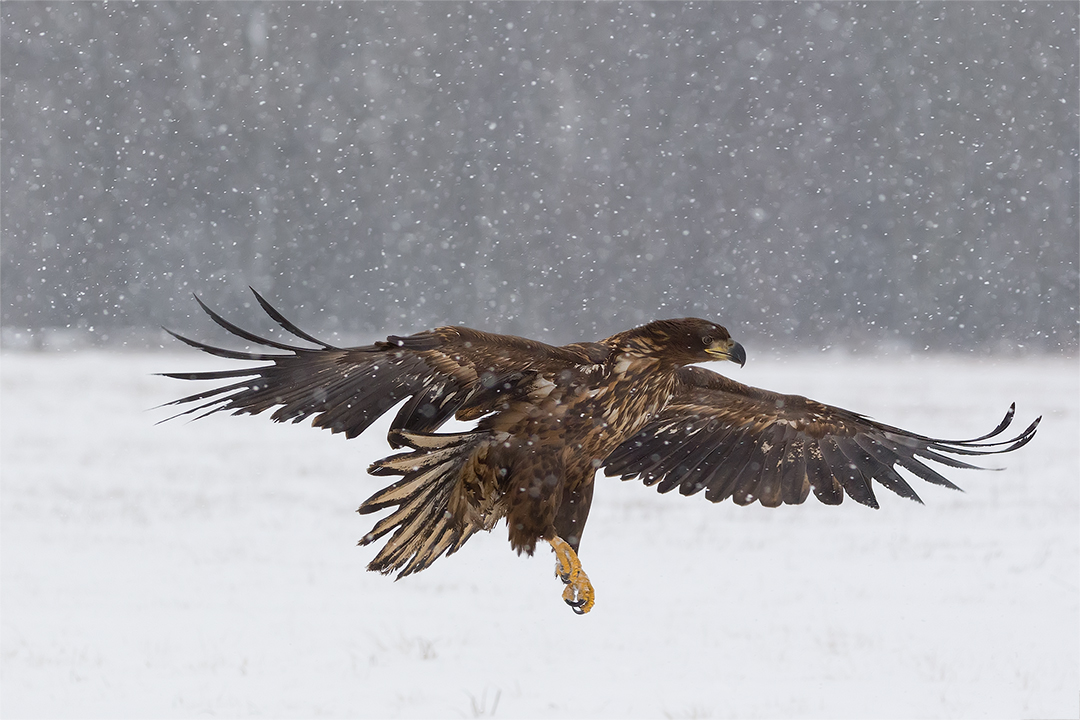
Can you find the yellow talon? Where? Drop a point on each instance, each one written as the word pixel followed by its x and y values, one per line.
pixel 579 593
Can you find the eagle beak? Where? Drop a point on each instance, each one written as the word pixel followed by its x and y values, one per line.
pixel 727 350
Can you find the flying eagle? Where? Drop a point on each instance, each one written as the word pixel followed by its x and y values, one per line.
pixel 547 418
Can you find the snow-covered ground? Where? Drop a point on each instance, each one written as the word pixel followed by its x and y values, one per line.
pixel 210 568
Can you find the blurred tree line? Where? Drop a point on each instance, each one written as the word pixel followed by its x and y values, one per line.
pixel 900 174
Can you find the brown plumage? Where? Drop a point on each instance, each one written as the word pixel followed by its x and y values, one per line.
pixel 549 417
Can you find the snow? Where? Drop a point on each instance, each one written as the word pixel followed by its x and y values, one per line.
pixel 210 568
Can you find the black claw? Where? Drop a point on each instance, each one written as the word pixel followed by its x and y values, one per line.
pixel 577 610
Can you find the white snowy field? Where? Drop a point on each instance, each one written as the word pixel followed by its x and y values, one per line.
pixel 210 568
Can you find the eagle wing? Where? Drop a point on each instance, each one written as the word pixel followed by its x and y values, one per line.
pixel 737 441
pixel 446 371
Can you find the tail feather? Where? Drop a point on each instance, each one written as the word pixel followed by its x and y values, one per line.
pixel 413 496
pixel 424 527
pixel 425 456
pixel 435 545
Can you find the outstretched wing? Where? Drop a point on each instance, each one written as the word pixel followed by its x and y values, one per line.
pixel 736 441
pixel 445 371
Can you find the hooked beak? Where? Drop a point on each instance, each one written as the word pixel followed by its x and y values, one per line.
pixel 727 350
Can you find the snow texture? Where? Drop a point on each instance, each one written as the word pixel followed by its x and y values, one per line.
pixel 210 568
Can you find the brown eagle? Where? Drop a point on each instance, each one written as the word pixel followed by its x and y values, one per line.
pixel 549 417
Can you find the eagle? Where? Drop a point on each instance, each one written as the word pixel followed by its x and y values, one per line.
pixel 547 418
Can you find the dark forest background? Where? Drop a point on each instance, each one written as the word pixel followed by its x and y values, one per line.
pixel 882 175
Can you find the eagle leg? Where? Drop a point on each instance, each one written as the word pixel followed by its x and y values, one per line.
pixel 579 593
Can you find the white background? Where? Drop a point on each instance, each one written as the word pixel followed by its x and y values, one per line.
pixel 210 568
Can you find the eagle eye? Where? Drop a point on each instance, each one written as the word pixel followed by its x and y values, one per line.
pixel 706 340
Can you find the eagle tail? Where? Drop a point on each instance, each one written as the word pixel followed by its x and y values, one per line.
pixel 425 526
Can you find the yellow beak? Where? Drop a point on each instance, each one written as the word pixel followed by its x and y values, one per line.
pixel 727 350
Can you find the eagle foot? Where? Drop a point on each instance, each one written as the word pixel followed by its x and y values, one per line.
pixel 579 593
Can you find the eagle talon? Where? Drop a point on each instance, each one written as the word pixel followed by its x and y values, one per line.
pixel 579 593
pixel 562 570
pixel 576 607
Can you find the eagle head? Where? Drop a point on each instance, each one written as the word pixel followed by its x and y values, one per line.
pixel 683 341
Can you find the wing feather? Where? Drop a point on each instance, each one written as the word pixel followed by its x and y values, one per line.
pixel 770 486
pixel 746 484
pixel 847 471
pixel 794 483
pixel 720 483
pixel 754 445
pixel 826 488
pixel 694 455
pixel 345 390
